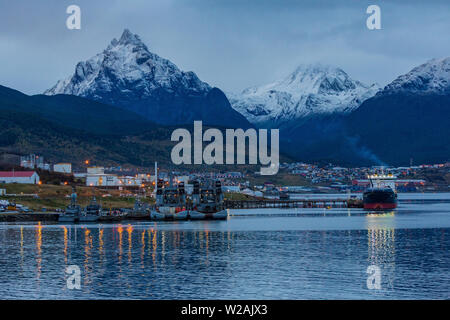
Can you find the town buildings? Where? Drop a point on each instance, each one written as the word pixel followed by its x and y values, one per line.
pixel 30 177
pixel 62 167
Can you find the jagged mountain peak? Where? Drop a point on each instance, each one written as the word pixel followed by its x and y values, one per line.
pixel 127 62
pixel 309 89
pixel 430 77
pixel 126 74
pixel 316 78
pixel 129 38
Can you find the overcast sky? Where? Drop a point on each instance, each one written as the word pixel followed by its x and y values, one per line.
pixel 231 44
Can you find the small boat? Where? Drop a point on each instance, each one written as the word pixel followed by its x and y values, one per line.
pixel 72 212
pixel 208 203
pixel 284 195
pixel 140 207
pixel 170 202
pixel 92 212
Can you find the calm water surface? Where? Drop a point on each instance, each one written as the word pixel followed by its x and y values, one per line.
pixel 256 254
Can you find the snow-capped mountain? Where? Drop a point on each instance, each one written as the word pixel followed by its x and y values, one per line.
pixel 430 77
pixel 409 118
pixel 128 75
pixel 309 90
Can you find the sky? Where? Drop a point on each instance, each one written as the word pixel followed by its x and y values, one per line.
pixel 231 44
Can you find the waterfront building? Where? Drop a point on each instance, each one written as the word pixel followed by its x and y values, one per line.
pixel 105 180
pixel 28 177
pixel 33 161
pixel 112 180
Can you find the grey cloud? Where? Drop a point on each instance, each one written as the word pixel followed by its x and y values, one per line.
pixel 230 44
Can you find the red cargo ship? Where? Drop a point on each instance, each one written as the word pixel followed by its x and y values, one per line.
pixel 381 195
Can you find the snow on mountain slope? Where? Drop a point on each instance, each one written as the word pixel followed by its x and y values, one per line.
pixel 309 90
pixel 128 62
pixel 126 74
pixel 430 77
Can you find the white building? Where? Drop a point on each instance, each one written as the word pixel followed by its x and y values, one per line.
pixel 30 177
pixel 33 161
pixel 112 180
pixel 62 167
pixel 106 180
pixel 95 170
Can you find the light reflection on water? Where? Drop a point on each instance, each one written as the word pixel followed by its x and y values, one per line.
pixel 248 257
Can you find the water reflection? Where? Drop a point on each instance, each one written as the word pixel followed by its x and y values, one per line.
pixel 212 260
pixel 101 245
pixel 142 248
pixel 154 246
pixel 130 241
pixel 120 230
pixel 87 255
pixel 39 249
pixel 21 247
pixel 381 244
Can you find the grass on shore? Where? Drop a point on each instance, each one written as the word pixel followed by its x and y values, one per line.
pixel 54 197
pixel 58 197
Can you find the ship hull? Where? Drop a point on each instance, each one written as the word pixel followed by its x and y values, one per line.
pixel 380 206
pixel 159 216
pixel 68 218
pixel 89 218
pixel 219 215
pixel 380 199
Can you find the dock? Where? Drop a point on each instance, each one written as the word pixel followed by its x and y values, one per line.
pixel 293 203
pixel 53 217
pixel 227 204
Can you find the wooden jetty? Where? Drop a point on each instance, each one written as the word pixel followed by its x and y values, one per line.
pixel 292 203
pixel 228 204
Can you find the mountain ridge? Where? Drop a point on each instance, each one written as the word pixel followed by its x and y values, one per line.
pixel 432 76
pixel 308 90
pixel 127 75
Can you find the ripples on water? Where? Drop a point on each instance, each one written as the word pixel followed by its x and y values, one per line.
pixel 257 257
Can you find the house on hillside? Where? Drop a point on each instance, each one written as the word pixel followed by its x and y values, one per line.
pixel 30 177
pixel 62 167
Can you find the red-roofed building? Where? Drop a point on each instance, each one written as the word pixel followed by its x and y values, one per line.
pixel 30 177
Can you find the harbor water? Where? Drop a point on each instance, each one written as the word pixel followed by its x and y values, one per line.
pixel 315 253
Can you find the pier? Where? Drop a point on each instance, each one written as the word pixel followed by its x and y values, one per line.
pixel 227 204
pixel 294 203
